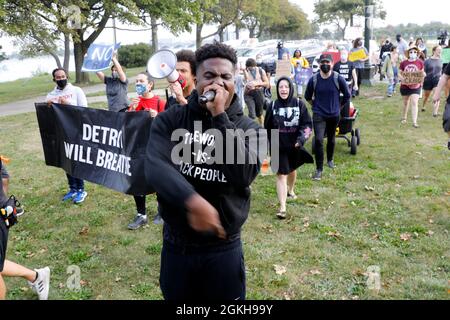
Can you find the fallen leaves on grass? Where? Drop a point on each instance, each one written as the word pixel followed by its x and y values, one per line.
pixel 430 233
pixel 334 234
pixel 279 270
pixel 84 231
pixel 405 236
pixel 369 188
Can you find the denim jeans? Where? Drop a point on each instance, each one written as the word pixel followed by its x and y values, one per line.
pixel 393 82
pixel 75 183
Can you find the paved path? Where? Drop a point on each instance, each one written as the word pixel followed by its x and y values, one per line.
pixel 27 105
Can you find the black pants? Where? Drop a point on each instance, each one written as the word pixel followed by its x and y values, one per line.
pixel 321 126
pixel 203 275
pixel 140 204
pixel 359 73
pixel 255 103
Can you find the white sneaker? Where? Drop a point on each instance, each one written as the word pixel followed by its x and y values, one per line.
pixel 42 284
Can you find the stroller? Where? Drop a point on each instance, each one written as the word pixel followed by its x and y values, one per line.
pixel 348 117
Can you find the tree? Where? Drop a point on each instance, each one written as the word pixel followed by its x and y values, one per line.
pixel 341 13
pixel 175 15
pixel 293 22
pixel 203 17
pixel 258 15
pixel 37 27
pixel 225 13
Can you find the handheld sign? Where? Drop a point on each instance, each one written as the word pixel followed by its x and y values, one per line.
pixel 357 55
pixel 411 78
pixel 445 56
pixel 284 69
pixel 98 57
pixel 335 55
pixel 302 77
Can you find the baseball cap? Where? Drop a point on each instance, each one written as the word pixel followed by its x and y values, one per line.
pixel 325 57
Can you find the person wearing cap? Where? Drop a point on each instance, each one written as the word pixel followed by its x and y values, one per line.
pixel 323 93
pixel 411 92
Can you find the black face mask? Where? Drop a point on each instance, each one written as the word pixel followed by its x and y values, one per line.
pixel 325 68
pixel 398 39
pixel 61 83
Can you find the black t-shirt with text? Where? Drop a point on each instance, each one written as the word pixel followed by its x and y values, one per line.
pixel 345 70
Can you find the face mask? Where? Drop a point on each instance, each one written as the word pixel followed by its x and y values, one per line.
pixel 114 74
pixel 325 68
pixel 413 56
pixel 398 39
pixel 141 89
pixel 258 61
pixel 61 83
pixel 344 57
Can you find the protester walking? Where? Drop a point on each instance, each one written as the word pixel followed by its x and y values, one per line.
pixel 411 91
pixel 433 70
pixel 323 93
pixel 443 82
pixel 290 116
pixel 256 80
pixel 359 64
pixel 299 63
pixel 390 70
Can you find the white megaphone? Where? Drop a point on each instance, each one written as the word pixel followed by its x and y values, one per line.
pixel 163 65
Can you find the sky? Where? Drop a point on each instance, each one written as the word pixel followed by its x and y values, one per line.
pixel 398 11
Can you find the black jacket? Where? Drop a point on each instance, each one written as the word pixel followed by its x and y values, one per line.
pixel 292 119
pixel 225 186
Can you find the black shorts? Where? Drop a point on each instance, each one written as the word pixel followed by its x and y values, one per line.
pixel 3 242
pixel 430 84
pixel 406 92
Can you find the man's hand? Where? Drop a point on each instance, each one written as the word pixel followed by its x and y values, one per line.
pixel 176 89
pixel 217 106
pixel 203 217
pixel 153 113
pixel 63 100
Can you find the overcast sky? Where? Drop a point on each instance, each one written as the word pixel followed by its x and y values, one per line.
pixel 401 11
pixel 398 11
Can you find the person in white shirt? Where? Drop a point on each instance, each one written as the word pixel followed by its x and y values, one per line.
pixel 66 93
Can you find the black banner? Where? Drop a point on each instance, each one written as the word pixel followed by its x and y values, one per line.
pixel 100 146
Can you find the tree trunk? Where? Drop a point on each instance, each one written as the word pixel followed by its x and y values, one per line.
pixel 237 32
pixel 57 60
pixel 79 51
pixel 252 32
pixel 154 24
pixel 198 35
pixel 66 51
pixel 221 34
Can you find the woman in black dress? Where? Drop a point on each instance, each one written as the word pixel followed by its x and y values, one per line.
pixel 290 116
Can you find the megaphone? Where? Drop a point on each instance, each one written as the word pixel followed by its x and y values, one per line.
pixel 163 65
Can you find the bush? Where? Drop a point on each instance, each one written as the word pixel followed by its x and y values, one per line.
pixel 135 55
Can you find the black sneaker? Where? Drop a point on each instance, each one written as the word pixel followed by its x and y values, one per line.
pixel 317 176
pixel 139 221
pixel 331 164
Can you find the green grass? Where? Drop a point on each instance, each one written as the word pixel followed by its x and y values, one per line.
pixel 335 230
pixel 41 85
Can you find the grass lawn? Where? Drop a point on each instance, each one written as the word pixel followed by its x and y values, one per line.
pixel 388 206
pixel 41 85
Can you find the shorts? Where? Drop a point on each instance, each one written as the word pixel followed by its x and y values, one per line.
pixel 406 92
pixel 3 242
pixel 4 172
pixel 446 118
pixel 430 84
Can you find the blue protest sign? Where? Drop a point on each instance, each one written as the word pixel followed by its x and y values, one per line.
pixel 98 57
pixel 302 76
